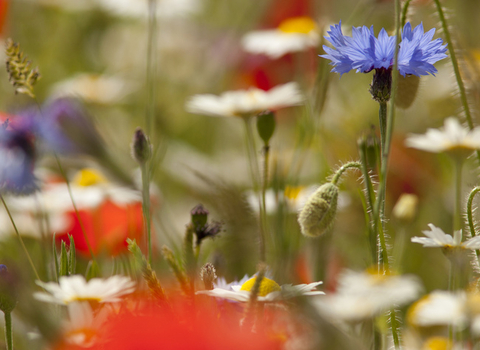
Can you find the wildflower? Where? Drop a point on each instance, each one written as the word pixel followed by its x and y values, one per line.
pixel 453 139
pixel 292 35
pixel 364 52
pixel 406 207
pixel 96 88
pixel 437 238
pixel 139 8
pixel 76 289
pixel 245 103
pixel 439 308
pixel 362 295
pixel 17 156
pixel 270 291
pixel 294 197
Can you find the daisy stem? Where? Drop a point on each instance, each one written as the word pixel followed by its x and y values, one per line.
pixel 457 218
pixel 255 174
pixel 8 330
pixel 146 208
pixel 21 240
pixel 456 69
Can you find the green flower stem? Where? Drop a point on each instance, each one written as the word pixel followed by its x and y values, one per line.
pixel 255 174
pixel 343 168
pixel 266 158
pixel 151 71
pixel 404 13
pixel 456 70
pixel 471 224
pixel 20 238
pixel 8 330
pixel 457 216
pixel 77 214
pixel 146 208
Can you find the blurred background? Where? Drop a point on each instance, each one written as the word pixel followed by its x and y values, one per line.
pixel 96 50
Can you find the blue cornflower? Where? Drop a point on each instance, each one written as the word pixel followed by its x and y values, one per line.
pixel 364 52
pixel 17 156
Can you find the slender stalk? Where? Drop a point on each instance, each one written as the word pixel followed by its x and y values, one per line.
pixel 77 214
pixel 457 216
pixel 255 174
pixel 456 69
pixel 343 168
pixel 404 13
pixel 146 209
pixel 151 71
pixel 471 224
pixel 266 157
pixel 8 330
pixel 20 238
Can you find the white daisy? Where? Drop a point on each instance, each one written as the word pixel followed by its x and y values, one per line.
pixel 362 295
pixel 270 291
pixel 139 8
pixel 292 35
pixel 75 288
pixel 453 138
pixel 95 88
pixel 439 308
pixel 83 325
pixel 245 103
pixel 437 238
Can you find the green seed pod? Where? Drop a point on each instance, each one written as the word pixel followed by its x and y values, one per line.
pixel 266 125
pixel 407 90
pixel 318 214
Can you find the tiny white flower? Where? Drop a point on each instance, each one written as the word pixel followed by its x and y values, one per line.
pixel 452 138
pixel 292 35
pixel 437 238
pixel 75 288
pixel 242 103
pixel 362 295
pixel 270 291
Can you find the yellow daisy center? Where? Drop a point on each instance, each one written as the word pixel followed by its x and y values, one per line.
pixel 436 343
pixel 292 192
pixel 88 177
pixel 266 287
pixel 302 25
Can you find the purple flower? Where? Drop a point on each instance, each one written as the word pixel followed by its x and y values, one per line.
pixel 364 52
pixel 17 156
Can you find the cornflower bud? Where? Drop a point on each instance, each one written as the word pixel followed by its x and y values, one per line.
pixel 141 147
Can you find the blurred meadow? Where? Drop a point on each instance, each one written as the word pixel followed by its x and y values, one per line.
pixel 126 68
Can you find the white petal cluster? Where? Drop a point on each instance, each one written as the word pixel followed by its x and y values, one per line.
pixel 453 136
pixel 249 102
pixel 436 238
pixel 287 291
pixel 362 295
pixel 275 43
pixel 75 288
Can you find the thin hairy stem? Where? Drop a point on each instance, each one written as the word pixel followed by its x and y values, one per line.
pixel 8 330
pixel 343 168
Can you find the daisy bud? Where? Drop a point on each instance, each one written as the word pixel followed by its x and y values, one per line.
pixel 266 125
pixel 208 275
pixel 381 85
pixel 318 214
pixel 8 300
pixel 407 90
pixel 141 148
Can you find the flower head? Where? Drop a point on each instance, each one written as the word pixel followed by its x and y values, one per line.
pixel 292 35
pixel 242 103
pixel 361 295
pixel 17 156
pixel 364 52
pixel 453 138
pixel 76 289
pixel 437 238
pixel 270 291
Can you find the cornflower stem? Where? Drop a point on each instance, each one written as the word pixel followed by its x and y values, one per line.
pixel 77 214
pixel 20 238
pixel 404 13
pixel 255 174
pixel 146 208
pixel 456 69
pixel 471 224
pixel 457 214
pixel 8 330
